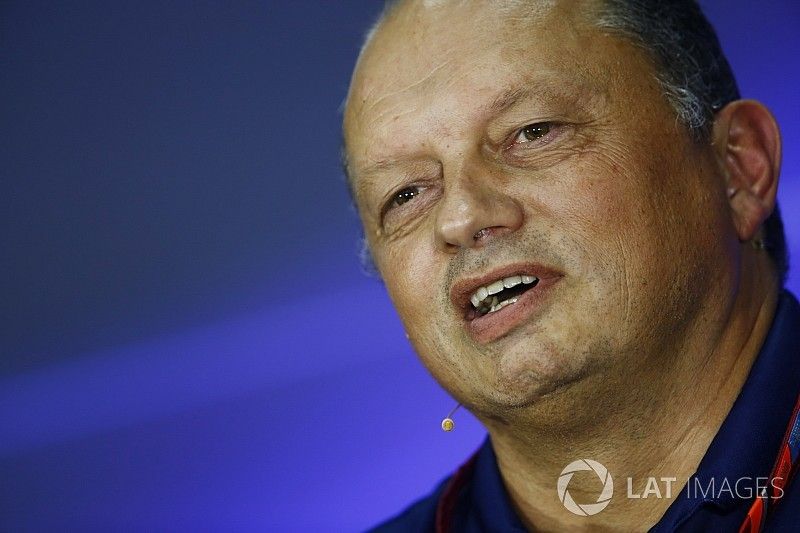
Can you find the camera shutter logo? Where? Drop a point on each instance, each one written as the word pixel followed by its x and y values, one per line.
pixel 586 509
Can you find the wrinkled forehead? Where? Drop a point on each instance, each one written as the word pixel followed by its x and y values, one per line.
pixel 427 49
pixel 421 41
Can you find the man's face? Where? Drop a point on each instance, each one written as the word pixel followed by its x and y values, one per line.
pixel 485 145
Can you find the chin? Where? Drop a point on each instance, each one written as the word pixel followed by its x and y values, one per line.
pixel 525 377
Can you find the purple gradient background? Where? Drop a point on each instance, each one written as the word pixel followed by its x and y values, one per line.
pixel 187 340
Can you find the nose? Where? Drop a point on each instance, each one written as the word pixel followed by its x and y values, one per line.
pixel 474 209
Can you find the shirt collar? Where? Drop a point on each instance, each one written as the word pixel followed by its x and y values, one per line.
pixel 489 495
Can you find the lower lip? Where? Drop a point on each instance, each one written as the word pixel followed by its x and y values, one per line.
pixel 492 326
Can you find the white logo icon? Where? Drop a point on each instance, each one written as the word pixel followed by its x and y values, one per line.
pixel 586 509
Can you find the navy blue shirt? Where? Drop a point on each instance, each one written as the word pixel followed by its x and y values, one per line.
pixel 746 446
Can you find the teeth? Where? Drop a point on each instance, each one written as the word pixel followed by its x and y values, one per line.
pixel 478 298
pixel 475 301
pixel 501 305
pixel 495 287
pixel 482 294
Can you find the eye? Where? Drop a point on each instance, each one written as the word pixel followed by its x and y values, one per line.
pixel 402 196
pixel 533 132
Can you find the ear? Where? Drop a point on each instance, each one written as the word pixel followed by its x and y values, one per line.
pixel 748 145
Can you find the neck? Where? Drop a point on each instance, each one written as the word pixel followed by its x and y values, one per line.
pixel 658 426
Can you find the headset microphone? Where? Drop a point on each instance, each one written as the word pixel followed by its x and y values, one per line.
pixel 447 423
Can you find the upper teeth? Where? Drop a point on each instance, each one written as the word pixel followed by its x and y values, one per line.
pixel 493 288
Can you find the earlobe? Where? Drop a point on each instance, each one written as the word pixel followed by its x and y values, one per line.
pixel 748 146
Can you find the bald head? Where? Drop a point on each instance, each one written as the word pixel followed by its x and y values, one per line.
pixel 408 21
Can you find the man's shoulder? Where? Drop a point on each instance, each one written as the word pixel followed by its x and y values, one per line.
pixel 419 516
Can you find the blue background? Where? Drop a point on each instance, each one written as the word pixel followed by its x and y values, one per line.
pixel 188 342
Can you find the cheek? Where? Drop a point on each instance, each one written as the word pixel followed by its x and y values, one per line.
pixel 614 213
pixel 642 222
pixel 413 280
pixel 415 275
pixel 599 212
pixel 624 206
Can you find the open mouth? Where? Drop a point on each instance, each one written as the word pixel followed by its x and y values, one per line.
pixel 499 294
pixel 497 302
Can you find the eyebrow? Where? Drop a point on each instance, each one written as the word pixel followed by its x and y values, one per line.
pixel 539 89
pixel 509 98
pixel 383 165
pixel 370 172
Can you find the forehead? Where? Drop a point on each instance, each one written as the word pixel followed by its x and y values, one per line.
pixel 451 59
